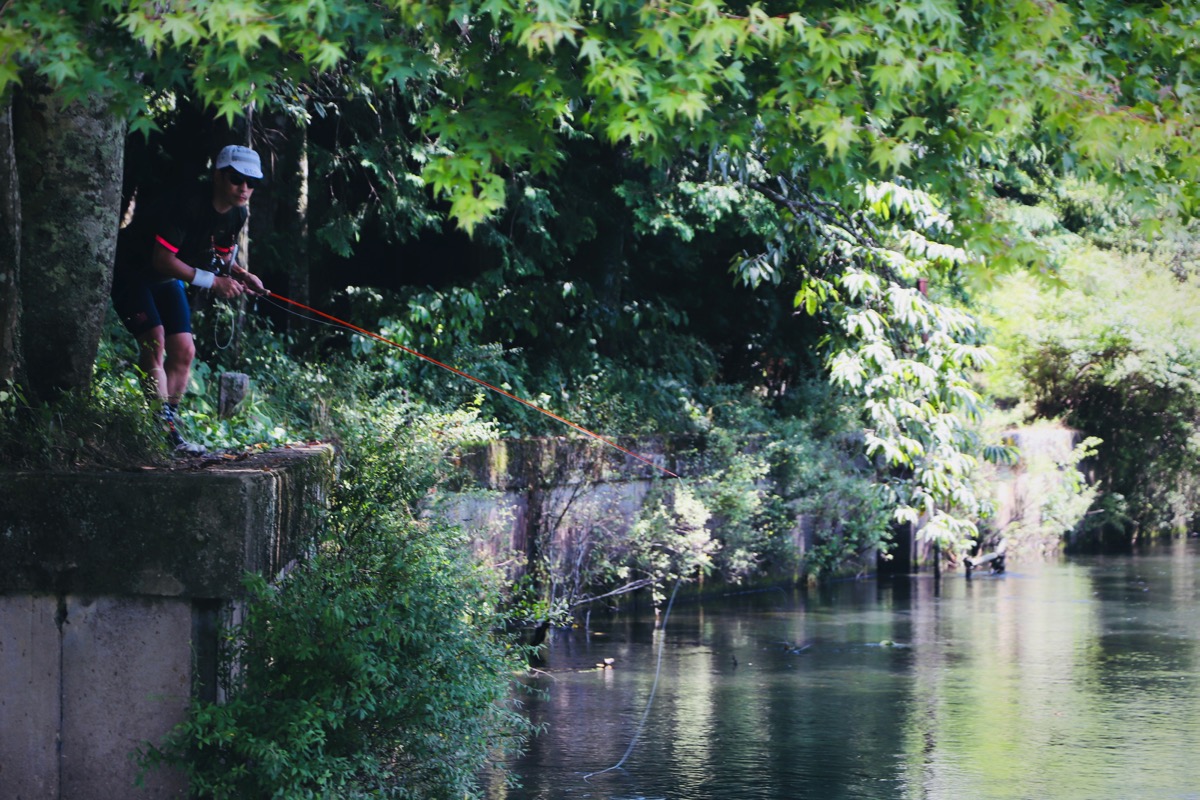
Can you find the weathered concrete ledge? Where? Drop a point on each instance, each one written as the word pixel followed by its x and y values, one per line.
pixel 111 588
pixel 159 532
pixel 517 464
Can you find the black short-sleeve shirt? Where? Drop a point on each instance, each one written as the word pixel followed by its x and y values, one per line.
pixel 189 227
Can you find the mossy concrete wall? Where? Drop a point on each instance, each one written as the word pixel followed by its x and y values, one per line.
pixel 111 584
pixel 528 497
pixel 539 496
pixel 532 497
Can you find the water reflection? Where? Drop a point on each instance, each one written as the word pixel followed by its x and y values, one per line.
pixel 1071 680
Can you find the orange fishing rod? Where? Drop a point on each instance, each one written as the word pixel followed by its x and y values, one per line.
pixel 468 376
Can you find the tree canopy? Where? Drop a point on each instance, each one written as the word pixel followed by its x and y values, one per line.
pixel 942 93
pixel 867 144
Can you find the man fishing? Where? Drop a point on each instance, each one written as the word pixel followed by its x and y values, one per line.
pixel 191 240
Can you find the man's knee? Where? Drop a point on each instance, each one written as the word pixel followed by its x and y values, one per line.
pixel 181 349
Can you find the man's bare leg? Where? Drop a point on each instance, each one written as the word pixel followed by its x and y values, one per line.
pixel 150 359
pixel 180 353
pixel 167 364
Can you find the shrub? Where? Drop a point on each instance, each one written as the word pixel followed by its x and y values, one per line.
pixel 373 668
pixel 831 490
pixel 107 425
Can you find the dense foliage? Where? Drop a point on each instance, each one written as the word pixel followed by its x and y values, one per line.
pixel 1113 351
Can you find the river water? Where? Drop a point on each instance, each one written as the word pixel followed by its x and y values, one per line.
pixel 1073 679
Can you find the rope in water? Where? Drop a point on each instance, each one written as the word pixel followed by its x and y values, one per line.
pixel 372 335
pixel 653 688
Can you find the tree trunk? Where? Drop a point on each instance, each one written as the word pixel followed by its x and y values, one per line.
pixel 10 251
pixel 279 225
pixel 69 158
pixel 299 280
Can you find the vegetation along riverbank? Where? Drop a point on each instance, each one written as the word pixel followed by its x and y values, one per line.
pixel 883 285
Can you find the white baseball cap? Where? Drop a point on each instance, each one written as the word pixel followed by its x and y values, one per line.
pixel 242 159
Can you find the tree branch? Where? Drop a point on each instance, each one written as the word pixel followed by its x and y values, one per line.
pixel 626 589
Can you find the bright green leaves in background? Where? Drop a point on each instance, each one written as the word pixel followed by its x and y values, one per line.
pixel 909 359
pixel 1113 350
pixel 874 89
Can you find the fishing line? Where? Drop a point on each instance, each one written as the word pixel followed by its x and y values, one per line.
pixel 305 317
pixel 662 643
pixel 468 376
pixel 328 319
pixel 233 325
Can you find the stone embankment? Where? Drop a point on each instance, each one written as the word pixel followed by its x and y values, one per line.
pixel 534 496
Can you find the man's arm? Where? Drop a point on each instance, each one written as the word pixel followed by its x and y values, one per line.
pixel 166 263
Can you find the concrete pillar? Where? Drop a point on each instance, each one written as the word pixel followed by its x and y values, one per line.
pixel 126 680
pixel 30 698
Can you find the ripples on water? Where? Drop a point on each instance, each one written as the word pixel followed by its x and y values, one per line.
pixel 1078 679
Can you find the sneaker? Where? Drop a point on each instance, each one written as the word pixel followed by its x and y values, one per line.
pixel 175 440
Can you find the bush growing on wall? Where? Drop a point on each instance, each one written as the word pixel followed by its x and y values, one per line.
pixel 824 485
pixel 737 517
pixel 373 668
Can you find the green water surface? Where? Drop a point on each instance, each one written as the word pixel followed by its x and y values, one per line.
pixel 1073 679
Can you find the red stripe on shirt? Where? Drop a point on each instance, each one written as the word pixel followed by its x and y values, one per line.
pixel 166 244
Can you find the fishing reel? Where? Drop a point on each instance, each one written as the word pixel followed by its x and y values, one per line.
pixel 222 266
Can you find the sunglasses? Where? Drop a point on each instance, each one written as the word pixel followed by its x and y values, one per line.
pixel 237 178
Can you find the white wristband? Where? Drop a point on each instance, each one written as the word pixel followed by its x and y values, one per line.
pixel 203 278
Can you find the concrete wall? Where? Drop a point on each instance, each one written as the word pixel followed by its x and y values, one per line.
pixel 561 489
pixel 83 683
pixel 547 495
pixel 110 586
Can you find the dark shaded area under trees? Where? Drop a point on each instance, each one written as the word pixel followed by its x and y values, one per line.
pixel 564 277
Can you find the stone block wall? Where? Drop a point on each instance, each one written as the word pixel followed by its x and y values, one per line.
pixel 111 584
pixel 530 497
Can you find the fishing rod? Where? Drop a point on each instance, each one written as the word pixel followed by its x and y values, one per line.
pixel 391 343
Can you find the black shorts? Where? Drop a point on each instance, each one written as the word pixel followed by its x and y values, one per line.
pixel 144 305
